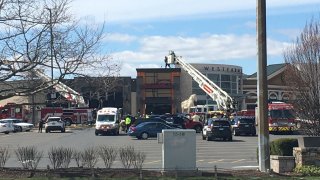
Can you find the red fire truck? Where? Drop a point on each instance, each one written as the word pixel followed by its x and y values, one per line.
pixel 12 110
pixel 69 115
pixel 281 117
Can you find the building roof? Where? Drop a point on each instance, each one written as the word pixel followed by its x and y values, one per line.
pixel 271 69
pixel 158 70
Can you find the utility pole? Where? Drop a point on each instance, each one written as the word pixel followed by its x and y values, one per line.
pixel 264 154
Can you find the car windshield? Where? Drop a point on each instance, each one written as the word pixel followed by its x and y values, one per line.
pixel 17 121
pixel 53 119
pixel 247 121
pixel 106 118
pixel 281 113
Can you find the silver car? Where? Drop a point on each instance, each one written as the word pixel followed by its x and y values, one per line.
pixel 6 127
pixel 19 124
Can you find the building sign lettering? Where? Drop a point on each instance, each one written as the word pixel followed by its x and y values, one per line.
pixel 222 68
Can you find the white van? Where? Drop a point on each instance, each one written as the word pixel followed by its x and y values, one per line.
pixel 107 121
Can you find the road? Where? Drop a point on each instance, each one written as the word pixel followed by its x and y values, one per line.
pixel 238 154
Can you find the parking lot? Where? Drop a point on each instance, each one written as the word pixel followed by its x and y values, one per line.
pixel 238 154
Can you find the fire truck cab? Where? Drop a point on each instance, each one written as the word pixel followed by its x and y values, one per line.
pixel 281 117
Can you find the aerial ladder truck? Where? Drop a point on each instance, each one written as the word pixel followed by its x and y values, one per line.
pixel 63 89
pixel 224 101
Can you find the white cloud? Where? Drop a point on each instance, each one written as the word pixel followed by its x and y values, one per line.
pixel 118 37
pixel 214 48
pixel 291 33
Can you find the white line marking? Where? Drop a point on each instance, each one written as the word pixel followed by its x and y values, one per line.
pixel 237 160
pixel 215 161
pixel 152 162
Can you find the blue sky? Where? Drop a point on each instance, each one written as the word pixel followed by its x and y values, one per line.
pixel 139 33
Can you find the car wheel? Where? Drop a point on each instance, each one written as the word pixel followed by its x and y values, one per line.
pixel 7 132
pixel 144 135
pixel 47 131
pixel 20 128
pixel 208 138
pixel 63 130
pixel 230 138
pixel 198 129
pixel 96 133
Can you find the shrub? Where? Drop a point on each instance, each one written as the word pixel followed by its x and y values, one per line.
pixel 29 157
pixel 60 157
pixel 308 170
pixel 139 160
pixel 283 146
pixel 77 156
pixel 89 157
pixel 127 156
pixel 4 156
pixel 108 155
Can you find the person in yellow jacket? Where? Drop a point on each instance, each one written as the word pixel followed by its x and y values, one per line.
pixel 128 122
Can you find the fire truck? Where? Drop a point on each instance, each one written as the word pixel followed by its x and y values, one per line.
pixel 281 117
pixel 13 110
pixel 68 115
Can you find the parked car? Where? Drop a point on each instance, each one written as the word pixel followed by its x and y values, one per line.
pixel 243 125
pixel 54 124
pixel 19 124
pixel 147 129
pixel 217 129
pixel 150 119
pixel 181 121
pixel 6 127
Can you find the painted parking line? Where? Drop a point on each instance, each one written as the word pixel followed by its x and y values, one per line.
pixel 238 160
pixel 151 162
pixel 200 160
pixel 215 161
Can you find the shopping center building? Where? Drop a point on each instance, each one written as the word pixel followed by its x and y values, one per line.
pixel 161 90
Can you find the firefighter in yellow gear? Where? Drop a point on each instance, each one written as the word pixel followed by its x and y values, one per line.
pixel 128 122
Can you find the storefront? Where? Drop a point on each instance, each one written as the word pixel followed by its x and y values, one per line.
pixel 158 90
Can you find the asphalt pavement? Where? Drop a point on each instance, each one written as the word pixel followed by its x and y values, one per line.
pixel 238 154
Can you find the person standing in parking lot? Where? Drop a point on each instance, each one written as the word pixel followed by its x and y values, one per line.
pixel 40 126
pixel 128 122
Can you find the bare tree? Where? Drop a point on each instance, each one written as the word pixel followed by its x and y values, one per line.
pixel 303 76
pixel 42 35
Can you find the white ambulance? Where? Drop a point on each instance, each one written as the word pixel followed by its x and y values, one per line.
pixel 107 121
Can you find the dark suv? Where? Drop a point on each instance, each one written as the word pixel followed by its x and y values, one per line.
pixel 243 125
pixel 217 129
